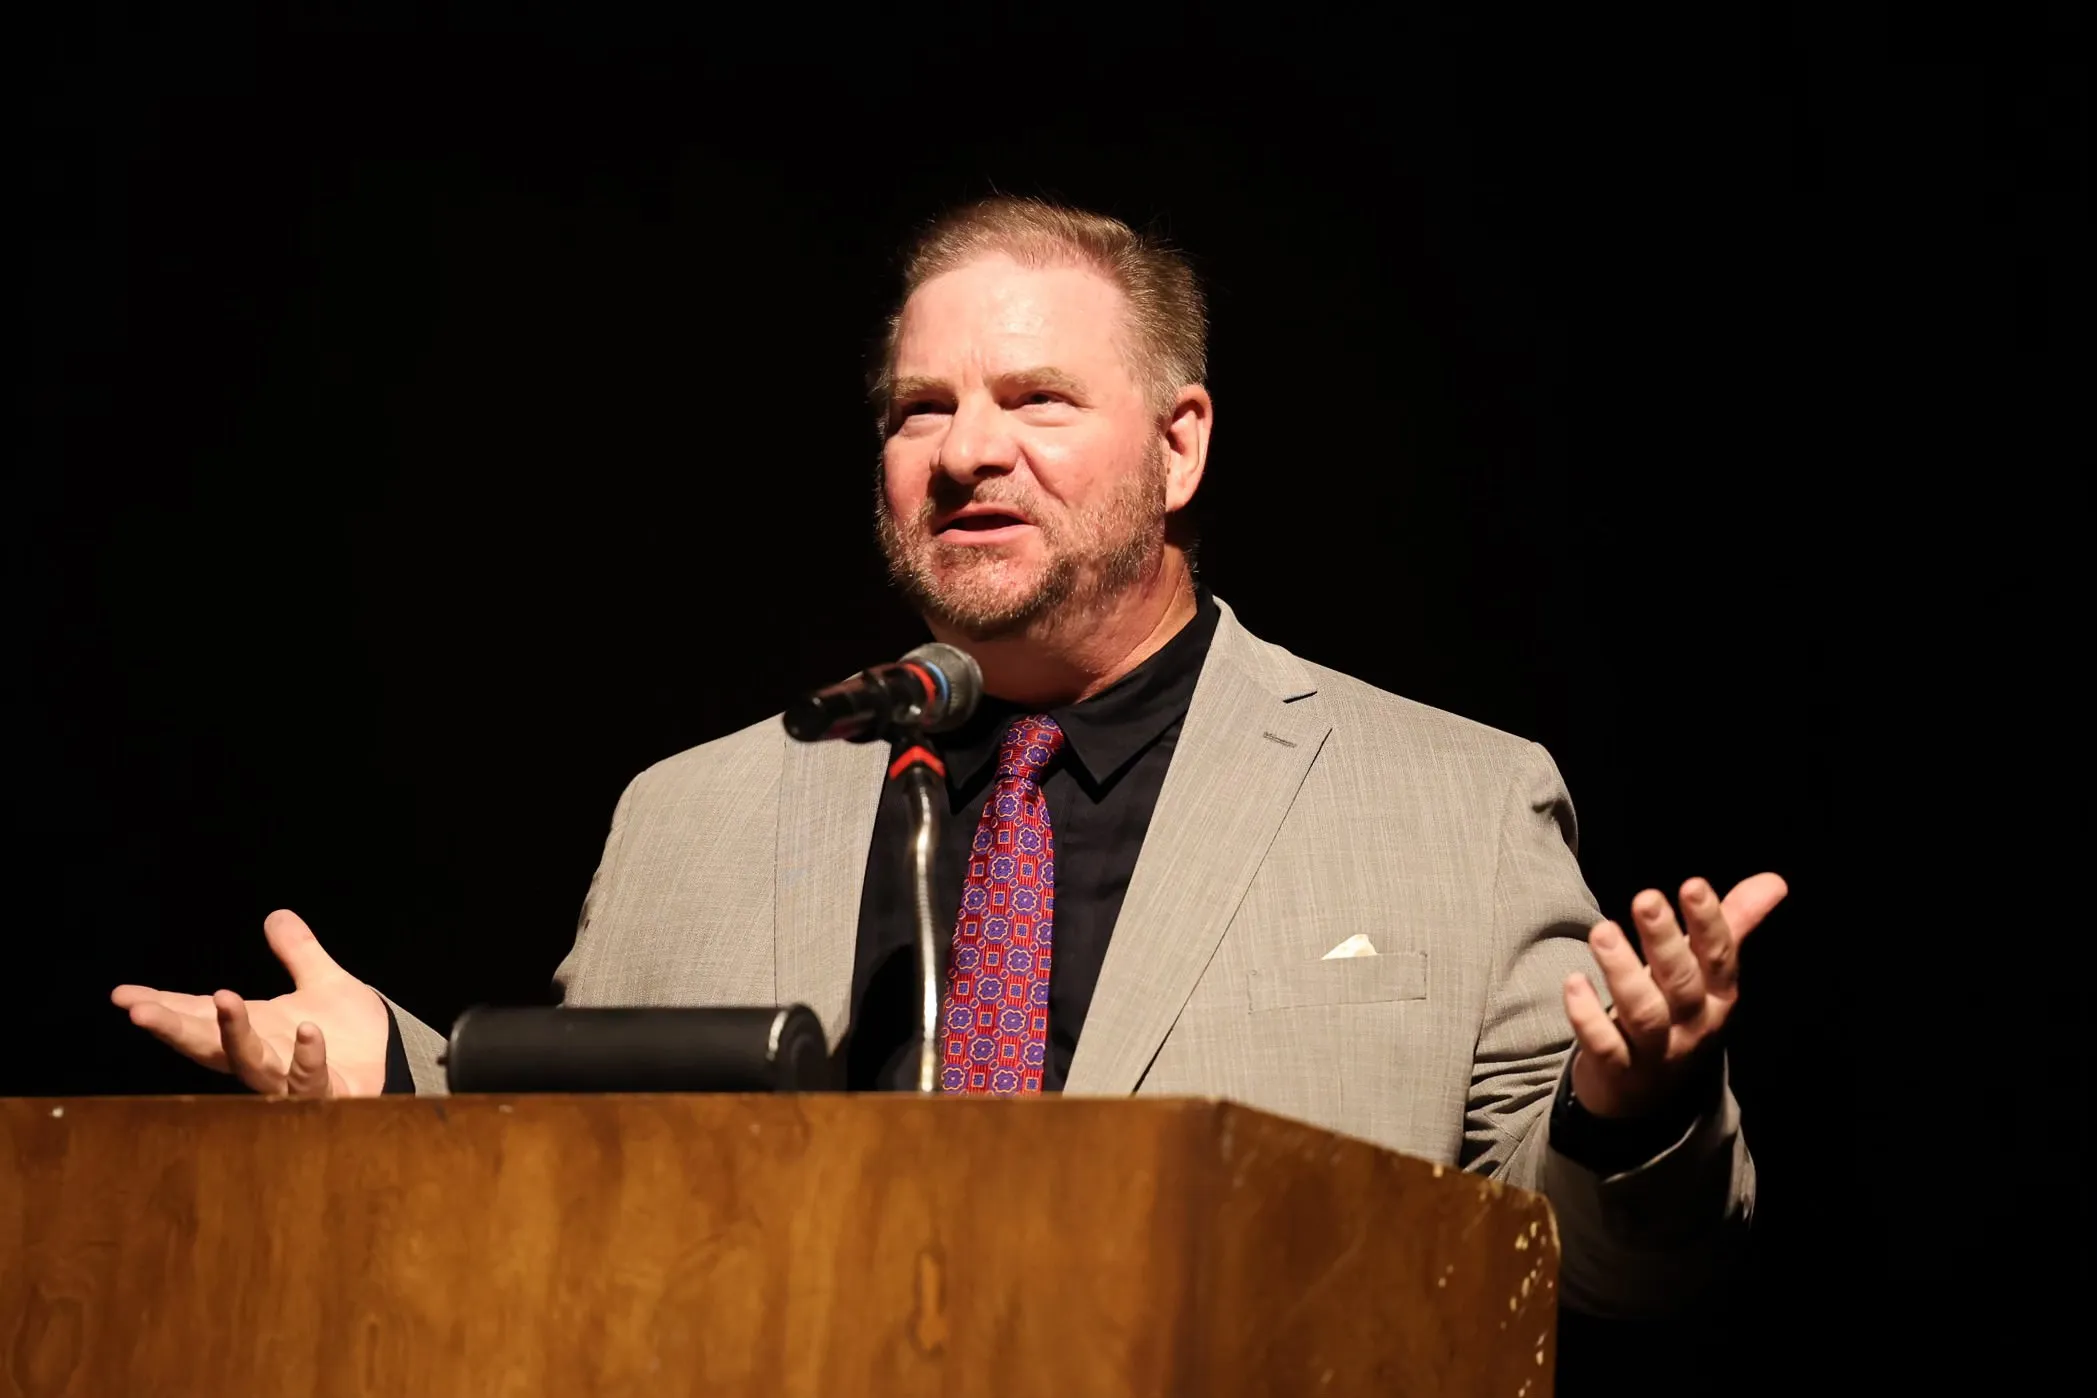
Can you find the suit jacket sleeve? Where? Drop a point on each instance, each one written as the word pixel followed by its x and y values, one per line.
pixel 423 1044
pixel 588 945
pixel 1639 1242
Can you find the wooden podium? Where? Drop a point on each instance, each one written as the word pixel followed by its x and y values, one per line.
pixel 570 1246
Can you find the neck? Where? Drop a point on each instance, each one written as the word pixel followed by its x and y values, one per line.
pixel 1078 653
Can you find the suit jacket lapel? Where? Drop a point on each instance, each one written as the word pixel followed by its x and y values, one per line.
pixel 1242 755
pixel 828 796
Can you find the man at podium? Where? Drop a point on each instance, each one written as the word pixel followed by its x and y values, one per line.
pixel 1177 858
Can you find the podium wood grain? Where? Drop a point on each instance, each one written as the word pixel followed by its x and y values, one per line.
pixel 238 1247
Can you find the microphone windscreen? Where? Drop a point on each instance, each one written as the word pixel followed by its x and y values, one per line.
pixel 964 682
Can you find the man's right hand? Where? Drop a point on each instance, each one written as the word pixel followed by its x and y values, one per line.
pixel 327 1038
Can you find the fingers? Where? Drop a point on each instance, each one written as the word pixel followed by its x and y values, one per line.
pixel 192 1035
pixel 248 1058
pixel 1751 900
pixel 1669 958
pixel 125 996
pixel 1592 1027
pixel 1642 1013
pixel 308 1076
pixel 300 951
pixel 1711 938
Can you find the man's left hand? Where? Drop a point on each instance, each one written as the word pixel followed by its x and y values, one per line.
pixel 1671 1006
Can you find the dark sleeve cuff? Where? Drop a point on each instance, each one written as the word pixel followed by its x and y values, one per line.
pixel 1613 1145
pixel 399 1076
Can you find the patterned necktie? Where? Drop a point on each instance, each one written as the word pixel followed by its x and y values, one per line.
pixel 997 998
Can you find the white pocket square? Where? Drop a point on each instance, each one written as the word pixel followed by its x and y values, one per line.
pixel 1357 945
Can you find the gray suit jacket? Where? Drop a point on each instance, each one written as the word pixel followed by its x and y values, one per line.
pixel 1302 808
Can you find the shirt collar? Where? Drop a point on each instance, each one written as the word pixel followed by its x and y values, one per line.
pixel 1106 732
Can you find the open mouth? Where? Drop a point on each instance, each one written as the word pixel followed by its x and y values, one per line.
pixel 987 522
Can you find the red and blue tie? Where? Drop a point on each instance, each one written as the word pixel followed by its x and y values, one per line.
pixel 997 998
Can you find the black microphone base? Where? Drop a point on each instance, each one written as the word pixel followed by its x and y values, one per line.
pixel 532 1049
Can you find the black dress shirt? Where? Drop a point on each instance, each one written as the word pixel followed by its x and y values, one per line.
pixel 1101 790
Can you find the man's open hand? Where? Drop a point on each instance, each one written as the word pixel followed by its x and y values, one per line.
pixel 1671 1006
pixel 327 1038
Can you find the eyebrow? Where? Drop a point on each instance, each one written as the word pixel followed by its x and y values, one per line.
pixel 917 387
pixel 1040 376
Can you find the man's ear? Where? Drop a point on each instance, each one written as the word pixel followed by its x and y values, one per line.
pixel 1186 439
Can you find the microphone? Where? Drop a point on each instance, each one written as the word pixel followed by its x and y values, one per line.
pixel 930 690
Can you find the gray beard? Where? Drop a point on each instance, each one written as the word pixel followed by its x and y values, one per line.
pixel 1081 580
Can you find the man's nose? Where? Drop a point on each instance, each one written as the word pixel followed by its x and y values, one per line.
pixel 979 441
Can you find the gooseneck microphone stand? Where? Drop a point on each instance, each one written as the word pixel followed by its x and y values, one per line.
pixel 932 689
pixel 923 778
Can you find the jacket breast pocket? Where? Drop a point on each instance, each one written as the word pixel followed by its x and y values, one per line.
pixel 1347 980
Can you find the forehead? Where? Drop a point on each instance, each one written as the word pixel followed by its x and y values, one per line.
pixel 994 312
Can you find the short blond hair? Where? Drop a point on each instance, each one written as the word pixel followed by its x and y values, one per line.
pixel 1168 344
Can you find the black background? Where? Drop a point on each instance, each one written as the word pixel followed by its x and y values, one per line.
pixel 431 423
